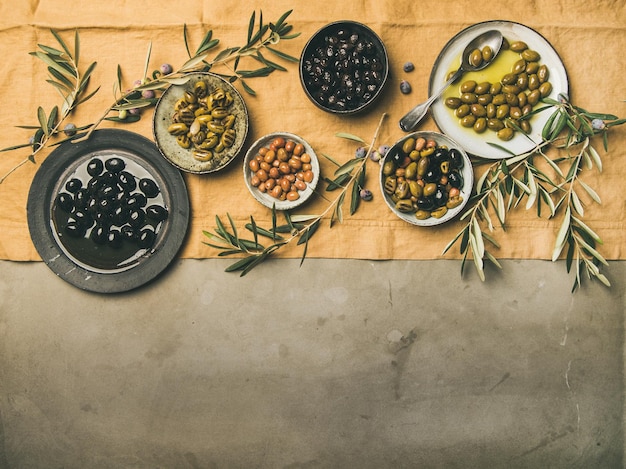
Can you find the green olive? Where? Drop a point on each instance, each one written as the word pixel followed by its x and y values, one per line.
pixel 487 53
pixel 480 125
pixel 178 128
pixel 543 73
pixel 453 102
pixel 502 111
pixel 525 126
pixel 402 189
pixel 475 58
pixel 388 168
pixel 511 99
pixel 518 46
pixel 468 98
pixel 390 185
pixel 515 112
pixel 545 89
pixel 534 97
pixel 495 89
pixel 530 55
pixel 439 212
pixel 478 110
pixel 509 79
pixel 532 67
pixel 505 134
pixel 415 189
pixel 422 214
pixel 499 99
pixel 454 201
pixel 405 206
pixel 522 99
pixel 468 86
pixel 408 145
pixel 482 88
pixel 422 166
pixel 468 121
pixel 533 82
pixel 444 166
pixel 495 124
pixel 491 110
pixel 414 155
pixel 522 81
pixel 519 67
pixel 411 171
pixel 484 99
pixel 527 109
pixel 462 111
pixel 429 189
pixel 513 89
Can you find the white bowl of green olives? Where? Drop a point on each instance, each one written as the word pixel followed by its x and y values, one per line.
pixel 426 178
pixel 281 170
pixel 201 126
pixel 344 67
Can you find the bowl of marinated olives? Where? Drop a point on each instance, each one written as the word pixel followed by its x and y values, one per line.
pixel 281 170
pixel 200 126
pixel 344 67
pixel 426 178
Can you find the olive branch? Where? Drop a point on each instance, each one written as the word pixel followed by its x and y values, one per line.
pixel 349 177
pixel 506 183
pixel 72 84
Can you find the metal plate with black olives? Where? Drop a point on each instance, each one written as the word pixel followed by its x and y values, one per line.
pixel 108 214
pixel 486 125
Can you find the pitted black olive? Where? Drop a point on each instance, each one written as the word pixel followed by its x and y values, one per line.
pixel 440 155
pixel 433 173
pixel 440 197
pixel 136 217
pixel 105 205
pixel 425 203
pixel 129 233
pixel 81 198
pixel 115 238
pixel 120 216
pixel 75 229
pixel 99 234
pixel 136 200
pixel 83 218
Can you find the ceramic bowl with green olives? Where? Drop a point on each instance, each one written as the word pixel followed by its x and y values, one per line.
pixel 344 67
pixel 201 126
pixel 281 170
pixel 426 178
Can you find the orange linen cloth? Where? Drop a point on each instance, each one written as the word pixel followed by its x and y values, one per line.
pixel 590 38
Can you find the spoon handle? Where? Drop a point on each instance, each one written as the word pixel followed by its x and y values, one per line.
pixel 415 115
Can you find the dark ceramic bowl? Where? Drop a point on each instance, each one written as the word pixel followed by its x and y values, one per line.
pixel 344 67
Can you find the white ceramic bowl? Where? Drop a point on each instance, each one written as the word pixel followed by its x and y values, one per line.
pixel 267 199
pixel 465 172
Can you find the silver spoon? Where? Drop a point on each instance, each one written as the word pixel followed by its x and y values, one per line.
pixel 492 38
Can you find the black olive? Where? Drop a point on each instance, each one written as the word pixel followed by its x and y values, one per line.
pixel 120 215
pixel 455 179
pixel 426 203
pixel 440 197
pixel 136 200
pixel 136 217
pixel 148 187
pixel 108 192
pixel 105 205
pixel 126 181
pixel 65 202
pixel 73 185
pixel 95 167
pixel 146 238
pixel 440 155
pixel 81 198
pixel 75 229
pixel 432 174
pixel 156 212
pixel 83 218
pixel 99 234
pixel 115 238
pixel 115 164
pixel 129 233
pixel 456 158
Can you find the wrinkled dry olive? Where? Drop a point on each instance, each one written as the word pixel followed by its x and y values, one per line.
pixel 405 206
pixel 391 182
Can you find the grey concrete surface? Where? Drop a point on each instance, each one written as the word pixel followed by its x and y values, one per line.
pixel 336 364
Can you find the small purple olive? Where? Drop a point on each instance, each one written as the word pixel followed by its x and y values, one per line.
pixel 366 194
pixel 360 152
pixel 166 69
pixel 405 87
pixel 408 67
pixel 70 130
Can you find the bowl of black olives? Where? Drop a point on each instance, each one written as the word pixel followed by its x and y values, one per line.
pixel 426 178
pixel 344 67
